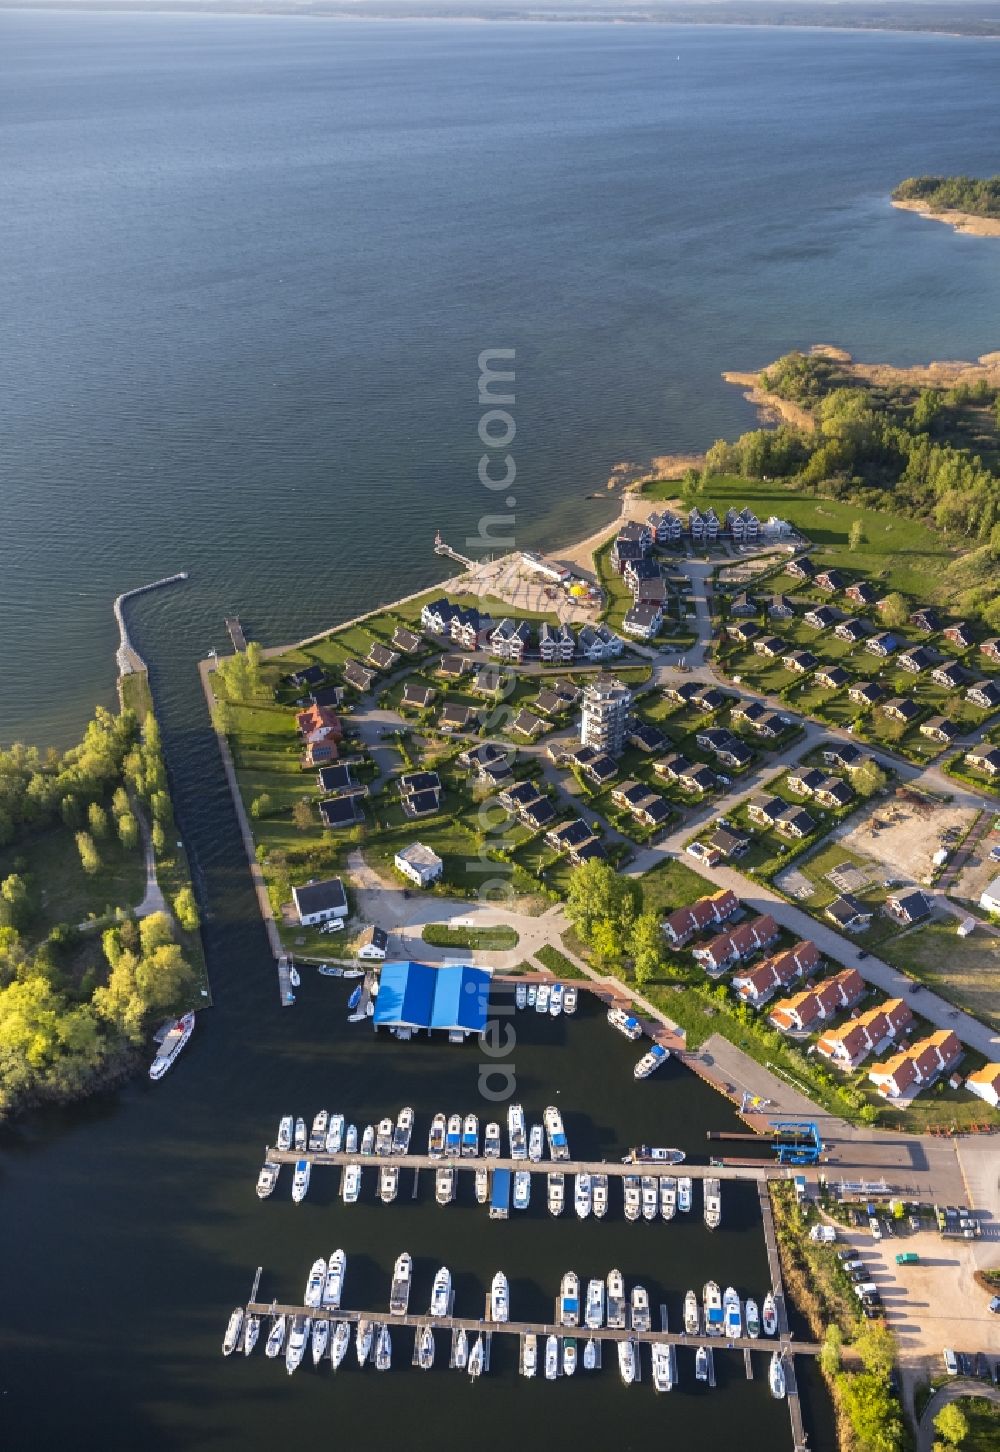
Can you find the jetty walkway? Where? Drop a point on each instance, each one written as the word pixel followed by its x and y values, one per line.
pixel 128 658
pixel 611 1168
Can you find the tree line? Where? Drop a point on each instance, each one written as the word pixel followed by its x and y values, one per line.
pixel 976 195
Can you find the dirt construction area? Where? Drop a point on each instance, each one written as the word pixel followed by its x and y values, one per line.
pixel 904 831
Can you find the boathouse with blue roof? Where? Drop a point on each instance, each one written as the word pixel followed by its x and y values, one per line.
pixel 452 998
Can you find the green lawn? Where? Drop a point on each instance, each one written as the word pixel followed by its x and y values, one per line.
pixel 558 963
pixel 488 940
pixel 60 890
pixel 672 884
pixel 963 970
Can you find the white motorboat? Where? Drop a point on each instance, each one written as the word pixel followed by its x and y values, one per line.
pixel 435 1140
pixel 776 1376
pixel 668 1197
pixel 558 1146
pixel 314 1285
pixel 351 1184
pixel 285 1131
pixel 627 1357
pixel 388 1183
pixel 351 1139
pixel 712 1306
pixel 499 1298
pixel 171 1045
pixel 320 1339
pixel 383 1349
pixel 301 1135
pixel 368 1140
pixel 470 1136
pixel 713 1203
pixel 363 1341
pixel 317 1135
pixel 583 1197
pixel 662 1380
pixel 551 1358
pixel 616 1300
pixel 425 1349
pixel 300 1182
pixel 650 1062
pixel 294 976
pixel 641 1317
pixel 441 1293
pixel 733 1313
pixel 444 1184
pixel 276 1337
pixel 590 1355
pixel 684 1194
pixel 522 1189
pixel 769 1314
pixel 650 1197
pixel 516 1131
pixel 402 1280
pixel 570 999
pixel 491 1147
pixel 335 1134
pixel 340 1342
pixel 521 995
pixel 477 1358
pixel 569 1299
pixel 536 1143
pixel 594 1314
pixel 569 1356
pixel 529 1356
pixel 267 1179
pixel 542 998
pixel 453 1136
pixel 624 1023
pixel 460 1350
pixel 556 1192
pixel 599 1186
pixel 556 1000
pixel 752 1318
pixel 701 1363
pixel 383 1137
pixel 298 1338
pixel 333 1288
pixel 232 1337
pixel 482 1185
pixel 692 1318
pixel 403 1132
pixel 633 1197
pixel 250 1333
pixel 654 1154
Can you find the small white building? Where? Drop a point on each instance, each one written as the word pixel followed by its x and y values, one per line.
pixel 420 864
pixel 319 902
pixel 374 944
pixel 989 899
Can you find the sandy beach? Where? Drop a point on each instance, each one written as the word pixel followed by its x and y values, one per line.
pixel 961 221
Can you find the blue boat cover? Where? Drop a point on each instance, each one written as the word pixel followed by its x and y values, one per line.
pixel 419 995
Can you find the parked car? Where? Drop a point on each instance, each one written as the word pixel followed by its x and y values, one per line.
pixel 875 1227
pixel 950 1361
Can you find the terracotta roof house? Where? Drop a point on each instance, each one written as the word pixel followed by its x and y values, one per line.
pixel 985 1083
pixel 847 1046
pixel 894 1076
pixel 319 723
pixel 695 918
pixel 847 986
pixel 738 943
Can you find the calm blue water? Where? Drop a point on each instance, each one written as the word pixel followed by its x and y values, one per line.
pixel 247 266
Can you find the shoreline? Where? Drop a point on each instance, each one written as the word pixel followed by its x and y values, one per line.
pixel 967 223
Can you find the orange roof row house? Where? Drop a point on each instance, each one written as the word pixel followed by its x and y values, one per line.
pixel 756 985
pixel 986 1083
pixel 705 913
pixel 917 1065
pixel 817 1004
pixel 869 1033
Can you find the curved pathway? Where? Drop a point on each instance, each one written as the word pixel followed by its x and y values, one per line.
pixel 952 1391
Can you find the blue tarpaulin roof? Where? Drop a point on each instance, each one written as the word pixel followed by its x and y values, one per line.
pixel 419 995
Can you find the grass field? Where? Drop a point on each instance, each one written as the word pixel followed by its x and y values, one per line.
pixel 61 891
pixel 557 962
pixel 963 970
pixel 489 940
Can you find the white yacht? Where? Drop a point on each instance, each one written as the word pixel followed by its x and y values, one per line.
pixel 776 1376
pixel 556 1192
pixel 460 1349
pixel 692 1318
pixel 341 1341
pixel 453 1136
pixel 668 1197
pixel 402 1280
pixel 470 1136
pixel 521 995
pixel 769 1314
pixel 444 1184
pixel 499 1298
pixel 713 1203
pixel 650 1197
pixel 712 1306
pixel 351 1139
pixel 522 1189
pixel 285 1131
pixel 558 1146
pixel 477 1358
pixel 569 1299
pixel 333 1288
pixel 403 1131
pixel 351 1184
pixel 435 1140
pixel 388 1183
pixel 363 1341
pixel 425 1349
pixel 662 1379
pixel 590 1355
pixel 173 1041
pixel 298 1338
pixel 441 1293
pixel 300 1182
pixel 625 1024
pixel 320 1339
pixel 594 1314
pixel 536 1143
pixel 335 1135
pixel 599 1185
pixel 551 1358
pixel 650 1062
pixel 641 1318
pixel 570 999
pixel 250 1334
pixel 368 1140
pixel 701 1363
pixel 383 1137
pixel 301 1134
pixel 583 1198
pixel 569 1356
pixel 232 1337
pixel 529 1356
pixel 556 1000
pixel 733 1313
pixel 627 1357
pixel 267 1179
pixel 752 1318
pixel 317 1135
pixel 515 1128
pixel 542 998
pixel 383 1349
pixel 315 1283
pixel 684 1194
pixel 276 1337
pixel 616 1300
pixel 532 995
pixel 633 1197
pixel 482 1185
pixel 491 1147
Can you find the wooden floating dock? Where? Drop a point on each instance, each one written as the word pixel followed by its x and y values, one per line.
pixel 287 999
pixel 614 1169
pixel 236 633
pixel 747 1363
pixel 711 1362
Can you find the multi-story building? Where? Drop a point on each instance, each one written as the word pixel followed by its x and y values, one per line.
pixel 606 705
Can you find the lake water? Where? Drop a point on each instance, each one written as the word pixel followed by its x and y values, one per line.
pixel 247 268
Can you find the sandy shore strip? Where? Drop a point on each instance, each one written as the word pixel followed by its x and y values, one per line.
pixel 966 222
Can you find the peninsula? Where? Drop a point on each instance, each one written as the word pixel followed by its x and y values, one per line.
pixel 967 203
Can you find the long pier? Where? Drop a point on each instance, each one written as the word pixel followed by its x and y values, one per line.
pixel 799 1440
pixel 128 658
pixel 611 1168
pixel 236 632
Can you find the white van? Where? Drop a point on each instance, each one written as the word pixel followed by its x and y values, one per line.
pixel 950 1361
pixel 875 1228
pixel 866 1288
